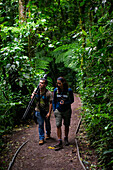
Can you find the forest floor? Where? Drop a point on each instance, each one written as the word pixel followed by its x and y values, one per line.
pixel 33 156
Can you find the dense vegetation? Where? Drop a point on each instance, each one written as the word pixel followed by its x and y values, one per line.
pixel 69 38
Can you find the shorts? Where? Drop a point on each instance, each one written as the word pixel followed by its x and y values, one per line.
pixel 59 116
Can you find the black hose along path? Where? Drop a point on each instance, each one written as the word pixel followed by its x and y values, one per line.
pixel 78 153
pixel 15 155
pixel 77 147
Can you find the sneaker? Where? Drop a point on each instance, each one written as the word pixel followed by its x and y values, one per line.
pixel 58 146
pixel 66 143
pixel 47 137
pixel 41 142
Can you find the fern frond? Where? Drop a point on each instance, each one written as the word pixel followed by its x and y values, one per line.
pixel 69 55
pixel 66 47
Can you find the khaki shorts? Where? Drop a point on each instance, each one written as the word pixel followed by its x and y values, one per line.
pixel 66 116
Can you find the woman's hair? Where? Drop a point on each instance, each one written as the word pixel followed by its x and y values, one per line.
pixel 64 82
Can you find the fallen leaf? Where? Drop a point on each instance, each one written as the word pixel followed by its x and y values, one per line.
pixel 74 150
pixel 81 159
pixel 50 147
pixel 18 129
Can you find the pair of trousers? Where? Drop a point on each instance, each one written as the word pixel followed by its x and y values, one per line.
pixel 40 121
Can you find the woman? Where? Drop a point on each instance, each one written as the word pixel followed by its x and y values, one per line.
pixel 62 100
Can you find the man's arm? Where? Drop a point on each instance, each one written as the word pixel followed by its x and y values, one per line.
pixel 33 93
pixel 50 109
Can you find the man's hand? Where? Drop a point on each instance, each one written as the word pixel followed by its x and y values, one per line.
pixel 33 94
pixel 47 115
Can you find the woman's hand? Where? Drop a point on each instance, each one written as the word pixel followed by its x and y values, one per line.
pixel 62 102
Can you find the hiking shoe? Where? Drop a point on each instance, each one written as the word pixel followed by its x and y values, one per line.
pixel 41 142
pixel 47 137
pixel 58 146
pixel 66 143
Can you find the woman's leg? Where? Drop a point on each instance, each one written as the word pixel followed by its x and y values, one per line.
pixel 66 131
pixel 59 133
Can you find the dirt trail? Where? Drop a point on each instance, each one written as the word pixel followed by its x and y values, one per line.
pixel 35 157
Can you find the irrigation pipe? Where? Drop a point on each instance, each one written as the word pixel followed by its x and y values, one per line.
pixel 78 153
pixel 13 159
pixel 79 123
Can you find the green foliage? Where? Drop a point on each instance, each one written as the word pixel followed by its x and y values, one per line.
pixel 93 64
pixel 73 39
pixel 18 76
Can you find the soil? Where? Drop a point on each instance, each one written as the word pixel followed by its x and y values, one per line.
pixel 33 156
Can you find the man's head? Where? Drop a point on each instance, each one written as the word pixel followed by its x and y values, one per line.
pixel 45 80
pixel 43 83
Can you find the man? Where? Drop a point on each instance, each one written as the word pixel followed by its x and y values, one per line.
pixel 43 110
pixel 62 100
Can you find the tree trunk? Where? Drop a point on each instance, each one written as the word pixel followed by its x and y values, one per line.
pixel 21 11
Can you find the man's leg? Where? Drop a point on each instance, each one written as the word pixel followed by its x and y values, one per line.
pixel 48 127
pixel 40 121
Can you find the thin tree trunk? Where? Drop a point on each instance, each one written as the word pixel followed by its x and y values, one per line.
pixel 21 11
pixel 82 26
